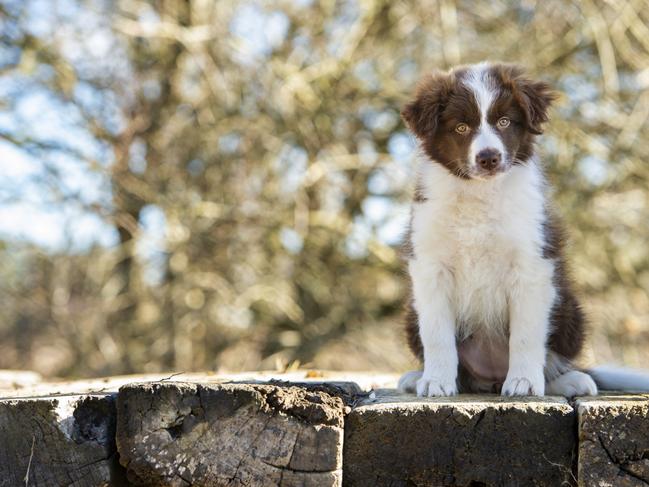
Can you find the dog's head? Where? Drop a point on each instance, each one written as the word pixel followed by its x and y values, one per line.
pixel 478 121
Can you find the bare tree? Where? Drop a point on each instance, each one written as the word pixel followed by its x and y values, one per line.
pixel 265 138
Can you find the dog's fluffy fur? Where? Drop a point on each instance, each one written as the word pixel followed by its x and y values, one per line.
pixel 492 308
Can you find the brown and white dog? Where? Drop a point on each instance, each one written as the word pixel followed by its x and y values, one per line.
pixel 492 306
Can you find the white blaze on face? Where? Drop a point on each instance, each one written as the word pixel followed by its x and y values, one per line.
pixel 486 136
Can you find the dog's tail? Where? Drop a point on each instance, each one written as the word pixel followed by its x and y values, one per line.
pixel 620 378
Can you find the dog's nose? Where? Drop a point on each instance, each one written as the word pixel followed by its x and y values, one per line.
pixel 488 158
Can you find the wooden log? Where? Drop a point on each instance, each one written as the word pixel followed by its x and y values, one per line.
pixel 402 440
pixel 67 440
pixel 614 441
pixel 180 434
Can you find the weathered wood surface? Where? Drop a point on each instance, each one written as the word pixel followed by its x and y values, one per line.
pixel 212 430
pixel 14 384
pixel 614 441
pixel 180 434
pixel 68 440
pixel 397 440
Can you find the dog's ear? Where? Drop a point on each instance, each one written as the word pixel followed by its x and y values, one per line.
pixel 421 115
pixel 533 97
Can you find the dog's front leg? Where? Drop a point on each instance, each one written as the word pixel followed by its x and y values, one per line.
pixel 431 289
pixel 530 303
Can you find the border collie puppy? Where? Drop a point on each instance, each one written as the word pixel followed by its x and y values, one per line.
pixel 492 307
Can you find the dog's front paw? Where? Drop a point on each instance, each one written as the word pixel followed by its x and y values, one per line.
pixel 519 385
pixel 429 386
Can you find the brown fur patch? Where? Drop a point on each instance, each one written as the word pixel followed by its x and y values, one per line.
pixel 440 103
pixel 533 97
pixel 422 114
pixel 567 323
pixel 518 141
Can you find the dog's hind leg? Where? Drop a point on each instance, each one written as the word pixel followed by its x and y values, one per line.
pixel 408 381
pixel 572 383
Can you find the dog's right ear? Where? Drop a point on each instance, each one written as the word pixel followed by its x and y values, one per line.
pixel 421 115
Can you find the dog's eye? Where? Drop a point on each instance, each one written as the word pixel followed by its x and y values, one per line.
pixel 503 122
pixel 462 128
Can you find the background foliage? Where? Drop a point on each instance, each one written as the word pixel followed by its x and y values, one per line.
pixel 195 184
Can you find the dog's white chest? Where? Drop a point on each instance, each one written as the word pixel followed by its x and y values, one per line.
pixel 480 262
pixel 483 237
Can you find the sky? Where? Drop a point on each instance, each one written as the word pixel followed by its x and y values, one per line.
pixel 44 200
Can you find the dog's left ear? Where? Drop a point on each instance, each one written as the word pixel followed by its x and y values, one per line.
pixel 535 98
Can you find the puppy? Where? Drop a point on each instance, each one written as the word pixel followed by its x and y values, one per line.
pixel 492 306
